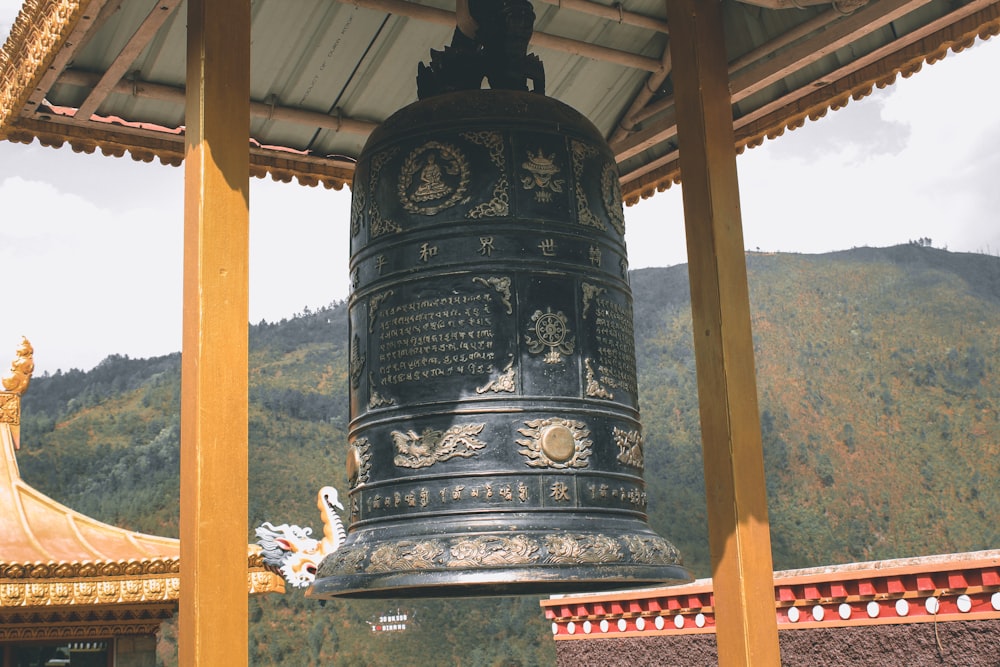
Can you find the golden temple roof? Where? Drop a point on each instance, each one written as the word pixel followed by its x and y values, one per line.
pixel 37 529
pixel 52 555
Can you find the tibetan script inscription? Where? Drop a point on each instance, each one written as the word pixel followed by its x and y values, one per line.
pixel 436 338
pixel 495 493
pixel 616 345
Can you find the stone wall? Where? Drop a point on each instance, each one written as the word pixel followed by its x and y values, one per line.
pixel 965 644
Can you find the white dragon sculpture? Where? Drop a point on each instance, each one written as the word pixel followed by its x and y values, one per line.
pixel 291 548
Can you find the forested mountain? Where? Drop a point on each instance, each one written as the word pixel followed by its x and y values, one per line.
pixel 879 404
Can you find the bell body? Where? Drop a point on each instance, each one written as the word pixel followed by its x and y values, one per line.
pixel 495 444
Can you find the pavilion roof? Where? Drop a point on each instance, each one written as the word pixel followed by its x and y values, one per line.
pixel 109 74
pixel 51 555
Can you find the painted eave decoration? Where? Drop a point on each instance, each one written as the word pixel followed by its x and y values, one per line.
pixel 110 76
pixel 953 587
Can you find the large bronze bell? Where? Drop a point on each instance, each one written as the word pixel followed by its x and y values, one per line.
pixel 495 444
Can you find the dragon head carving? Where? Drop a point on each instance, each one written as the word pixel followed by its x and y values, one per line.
pixel 292 549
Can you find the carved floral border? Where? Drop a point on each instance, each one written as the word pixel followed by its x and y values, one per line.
pixel 64 623
pixel 39 32
pixel 110 583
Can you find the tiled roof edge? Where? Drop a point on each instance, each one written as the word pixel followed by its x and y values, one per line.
pixel 857 85
pixel 950 587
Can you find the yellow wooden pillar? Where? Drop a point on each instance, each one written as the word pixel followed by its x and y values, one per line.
pixel 214 533
pixel 739 535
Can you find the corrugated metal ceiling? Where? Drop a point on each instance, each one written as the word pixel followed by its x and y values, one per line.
pixel 324 72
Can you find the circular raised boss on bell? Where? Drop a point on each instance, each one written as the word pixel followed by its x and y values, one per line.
pixel 495 444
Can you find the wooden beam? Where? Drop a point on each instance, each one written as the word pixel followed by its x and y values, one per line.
pixel 650 166
pixel 861 62
pixel 776 112
pixel 738 531
pixel 445 17
pixel 846 31
pixel 667 126
pixel 752 79
pixel 653 82
pixel 157 91
pixel 93 13
pixel 803 29
pixel 577 48
pixel 214 359
pixel 158 15
pixel 615 13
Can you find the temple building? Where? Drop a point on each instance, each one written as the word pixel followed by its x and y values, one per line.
pixel 928 610
pixel 75 591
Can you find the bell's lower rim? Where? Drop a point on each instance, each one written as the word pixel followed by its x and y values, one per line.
pixel 501 581
pixel 510 559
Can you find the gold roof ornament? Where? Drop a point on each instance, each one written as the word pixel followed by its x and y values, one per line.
pixel 54 560
pixel 15 384
pixel 21 368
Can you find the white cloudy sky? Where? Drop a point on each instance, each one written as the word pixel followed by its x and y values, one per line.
pixel 90 246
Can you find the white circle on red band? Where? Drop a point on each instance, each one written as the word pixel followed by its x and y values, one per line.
pixel 902 607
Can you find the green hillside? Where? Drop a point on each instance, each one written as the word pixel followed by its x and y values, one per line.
pixel 879 406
